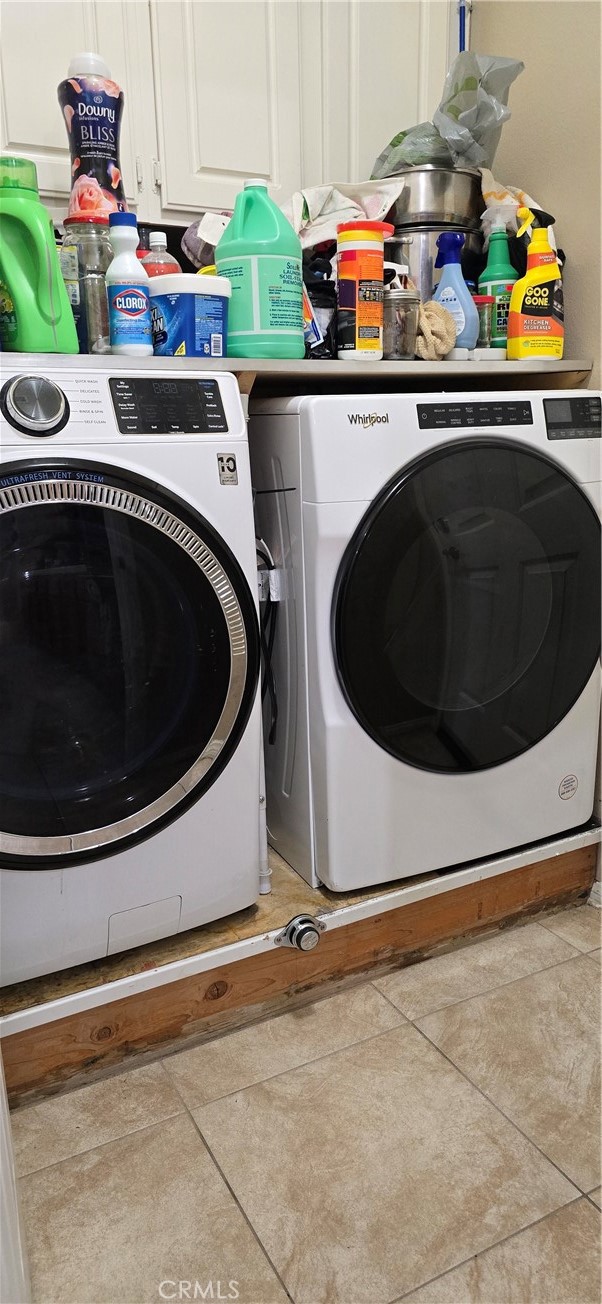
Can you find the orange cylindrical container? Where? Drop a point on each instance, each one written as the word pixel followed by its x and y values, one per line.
pixel 360 254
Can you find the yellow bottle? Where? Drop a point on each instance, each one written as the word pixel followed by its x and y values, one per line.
pixel 536 317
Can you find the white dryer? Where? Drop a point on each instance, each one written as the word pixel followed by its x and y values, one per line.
pixel 129 658
pixel 437 651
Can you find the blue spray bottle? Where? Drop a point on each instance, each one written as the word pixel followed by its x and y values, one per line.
pixel 452 291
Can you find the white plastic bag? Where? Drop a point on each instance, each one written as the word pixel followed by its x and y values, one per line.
pixel 466 126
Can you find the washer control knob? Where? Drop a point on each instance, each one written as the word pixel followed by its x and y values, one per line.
pixel 303 933
pixel 35 405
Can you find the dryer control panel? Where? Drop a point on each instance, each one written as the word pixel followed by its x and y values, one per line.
pixel 451 416
pixel 573 418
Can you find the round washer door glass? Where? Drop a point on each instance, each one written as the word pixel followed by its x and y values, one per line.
pixel 129 655
pixel 467 606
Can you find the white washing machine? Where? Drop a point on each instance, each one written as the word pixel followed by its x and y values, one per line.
pixel 436 659
pixel 129 658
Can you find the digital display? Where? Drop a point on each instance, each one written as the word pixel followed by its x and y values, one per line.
pixel 573 418
pixel 560 411
pixel 167 407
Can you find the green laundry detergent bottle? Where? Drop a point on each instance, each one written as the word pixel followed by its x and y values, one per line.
pixel 261 255
pixel 35 313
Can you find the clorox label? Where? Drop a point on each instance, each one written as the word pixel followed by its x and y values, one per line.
pixel 129 314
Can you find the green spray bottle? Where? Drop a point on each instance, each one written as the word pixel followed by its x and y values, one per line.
pixel 498 278
pixel 35 313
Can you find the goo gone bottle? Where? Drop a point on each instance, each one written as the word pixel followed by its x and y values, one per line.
pixel 92 106
pixel 536 317
pixel 452 291
pixel 127 290
pixel 261 255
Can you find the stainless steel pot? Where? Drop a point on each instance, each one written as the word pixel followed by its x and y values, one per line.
pixel 442 196
pixel 417 248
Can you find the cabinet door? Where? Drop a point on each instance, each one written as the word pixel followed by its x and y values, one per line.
pixel 227 96
pixel 38 40
pixel 383 68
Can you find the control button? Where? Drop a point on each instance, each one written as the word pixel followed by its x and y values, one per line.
pixel 35 405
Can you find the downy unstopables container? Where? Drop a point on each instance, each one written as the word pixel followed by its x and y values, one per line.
pixel 260 255
pixel 92 105
pixel 360 258
pixel 536 317
pixel 189 315
pixel 35 313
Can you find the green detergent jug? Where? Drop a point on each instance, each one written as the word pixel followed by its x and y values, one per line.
pixel 35 313
pixel 261 255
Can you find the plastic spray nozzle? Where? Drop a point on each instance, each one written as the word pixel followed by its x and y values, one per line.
pixel 449 244
pixel 526 218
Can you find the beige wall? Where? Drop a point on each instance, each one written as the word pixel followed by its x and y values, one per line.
pixel 551 146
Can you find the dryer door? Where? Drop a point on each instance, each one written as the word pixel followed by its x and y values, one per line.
pixel 466 616
pixel 129 656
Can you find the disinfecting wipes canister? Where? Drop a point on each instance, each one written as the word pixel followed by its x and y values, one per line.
pixel 189 315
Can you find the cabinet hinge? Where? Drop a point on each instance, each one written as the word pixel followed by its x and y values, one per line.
pixel 139 172
pixel 157 175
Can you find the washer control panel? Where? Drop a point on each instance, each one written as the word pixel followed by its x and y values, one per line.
pixel 156 406
pixel 573 418
pixel 106 402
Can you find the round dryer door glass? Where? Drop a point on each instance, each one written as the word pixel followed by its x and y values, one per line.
pixel 467 606
pixel 129 657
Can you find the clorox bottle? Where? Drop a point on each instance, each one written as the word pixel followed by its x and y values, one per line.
pixel 127 290
pixel 536 317
pixel 35 313
pixel 261 255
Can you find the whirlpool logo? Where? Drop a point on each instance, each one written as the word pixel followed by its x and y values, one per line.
pixel 368 419
pixel 130 302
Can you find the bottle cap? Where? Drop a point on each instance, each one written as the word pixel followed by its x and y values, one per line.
pixel 361 224
pixel 256 181
pixel 157 238
pixel 483 298
pixel 449 244
pixel 95 219
pixel 88 64
pixel 122 219
pixel 18 174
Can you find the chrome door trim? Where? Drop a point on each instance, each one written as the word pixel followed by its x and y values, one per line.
pixel 36 493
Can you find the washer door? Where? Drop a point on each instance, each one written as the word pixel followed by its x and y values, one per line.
pixel 129 659
pixel 466 616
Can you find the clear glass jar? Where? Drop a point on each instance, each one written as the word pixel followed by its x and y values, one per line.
pixel 400 325
pixel 85 256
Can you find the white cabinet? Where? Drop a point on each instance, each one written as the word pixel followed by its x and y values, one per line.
pixel 381 69
pixel 38 41
pixel 295 91
pixel 227 95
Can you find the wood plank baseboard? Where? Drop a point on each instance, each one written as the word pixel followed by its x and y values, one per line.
pixel 40 1060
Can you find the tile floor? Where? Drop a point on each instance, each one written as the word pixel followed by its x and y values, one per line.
pixel 431 1135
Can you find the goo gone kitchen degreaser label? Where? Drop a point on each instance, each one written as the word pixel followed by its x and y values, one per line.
pixel 129 315
pixel 539 324
pixel 276 300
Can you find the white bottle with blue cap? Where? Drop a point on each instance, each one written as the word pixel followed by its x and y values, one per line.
pixel 452 291
pixel 127 291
